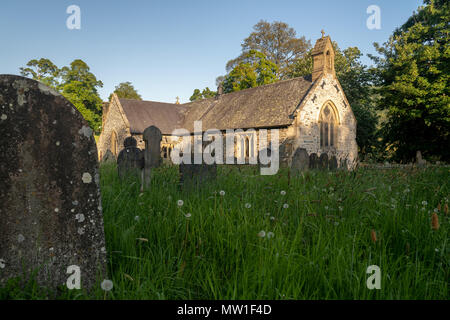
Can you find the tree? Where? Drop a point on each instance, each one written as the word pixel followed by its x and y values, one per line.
pixel 42 70
pixel 205 94
pixel 79 86
pixel 257 70
pixel 413 71
pixel 277 41
pixel 356 81
pixel 126 90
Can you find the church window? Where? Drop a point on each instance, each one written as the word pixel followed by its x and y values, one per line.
pixel 328 126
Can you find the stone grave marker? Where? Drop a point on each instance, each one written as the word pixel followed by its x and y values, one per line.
pixel 130 160
pixel 50 204
pixel 300 160
pixel 108 157
pixel 323 161
pixel 152 153
pixel 313 161
pixel 419 160
pixel 333 163
pixel 195 175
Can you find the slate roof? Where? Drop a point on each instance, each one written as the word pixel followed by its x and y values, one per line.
pixel 142 114
pixel 266 106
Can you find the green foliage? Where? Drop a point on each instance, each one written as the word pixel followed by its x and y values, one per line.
pixel 277 42
pixel 413 72
pixel 79 86
pixel 205 94
pixel 76 83
pixel 320 248
pixel 42 70
pixel 126 90
pixel 254 70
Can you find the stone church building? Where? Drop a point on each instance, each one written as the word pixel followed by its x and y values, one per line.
pixel 311 113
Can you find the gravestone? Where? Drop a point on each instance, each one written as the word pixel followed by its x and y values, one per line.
pixel 419 160
pixel 313 161
pixel 333 163
pixel 130 161
pixel 196 175
pixel 50 203
pixel 323 161
pixel 300 160
pixel 108 157
pixel 152 153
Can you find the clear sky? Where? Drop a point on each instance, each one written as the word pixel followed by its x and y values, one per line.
pixel 169 48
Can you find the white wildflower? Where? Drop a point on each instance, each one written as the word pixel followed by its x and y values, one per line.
pixel 107 285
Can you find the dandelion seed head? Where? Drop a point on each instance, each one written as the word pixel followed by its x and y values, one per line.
pixel 262 234
pixel 424 203
pixel 188 215
pixel 285 206
pixel 283 193
pixel 180 203
pixel 107 285
pixel 270 234
pixel 222 193
pixel 248 205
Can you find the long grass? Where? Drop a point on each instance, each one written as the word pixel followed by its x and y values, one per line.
pixel 319 236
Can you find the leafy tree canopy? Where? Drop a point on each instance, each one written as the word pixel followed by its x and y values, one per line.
pixel 42 70
pixel 254 70
pixel 413 71
pixel 205 94
pixel 126 90
pixel 277 42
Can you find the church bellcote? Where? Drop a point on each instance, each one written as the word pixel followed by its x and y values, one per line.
pixel 323 57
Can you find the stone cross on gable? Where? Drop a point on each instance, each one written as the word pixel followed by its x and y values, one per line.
pixel 323 33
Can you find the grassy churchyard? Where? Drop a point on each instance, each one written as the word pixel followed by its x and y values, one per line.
pixel 247 236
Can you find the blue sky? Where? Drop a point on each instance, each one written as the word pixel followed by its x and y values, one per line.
pixel 169 48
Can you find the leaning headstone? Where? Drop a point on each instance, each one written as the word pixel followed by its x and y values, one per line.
pixel 300 160
pixel 333 163
pixel 50 206
pixel 323 161
pixel 130 161
pixel 313 161
pixel 152 153
pixel 109 157
pixel 196 175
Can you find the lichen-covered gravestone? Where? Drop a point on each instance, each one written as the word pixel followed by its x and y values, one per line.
pixel 50 205
pixel 152 153
pixel 130 160
pixel 300 160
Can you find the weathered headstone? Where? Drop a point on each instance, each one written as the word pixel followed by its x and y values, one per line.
pixel 50 205
pixel 109 157
pixel 333 163
pixel 300 160
pixel 419 160
pixel 195 175
pixel 313 161
pixel 130 160
pixel 152 153
pixel 323 161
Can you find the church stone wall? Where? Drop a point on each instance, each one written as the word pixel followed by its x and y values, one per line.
pixel 114 122
pixel 307 120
